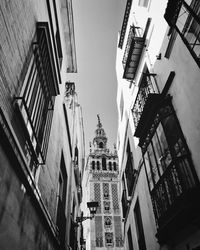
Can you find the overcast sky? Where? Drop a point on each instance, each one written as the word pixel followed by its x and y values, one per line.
pixel 96 25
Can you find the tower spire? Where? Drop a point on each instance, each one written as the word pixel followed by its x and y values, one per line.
pixel 99 122
pixel 100 138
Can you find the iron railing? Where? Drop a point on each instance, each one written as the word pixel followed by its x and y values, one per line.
pixel 176 181
pixel 146 88
pixel 36 100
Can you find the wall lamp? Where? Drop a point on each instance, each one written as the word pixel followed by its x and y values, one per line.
pixel 92 205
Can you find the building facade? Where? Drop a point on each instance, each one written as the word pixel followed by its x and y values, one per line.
pixel 158 136
pixel 41 155
pixel 101 184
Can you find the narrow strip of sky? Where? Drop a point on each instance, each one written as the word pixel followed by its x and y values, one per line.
pixel 97 24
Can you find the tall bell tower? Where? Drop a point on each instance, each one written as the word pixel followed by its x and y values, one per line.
pixel 103 186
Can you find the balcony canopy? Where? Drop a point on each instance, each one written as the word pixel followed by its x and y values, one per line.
pixel 172 11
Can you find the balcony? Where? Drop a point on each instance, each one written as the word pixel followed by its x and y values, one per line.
pixel 132 54
pixel 145 106
pixel 124 24
pixel 172 11
pixel 174 199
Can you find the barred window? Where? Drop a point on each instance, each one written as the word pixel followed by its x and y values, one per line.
pixel 35 102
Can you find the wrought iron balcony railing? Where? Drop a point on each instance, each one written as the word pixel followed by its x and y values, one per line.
pixel 174 196
pixel 172 11
pixel 124 24
pixel 132 54
pixel 145 100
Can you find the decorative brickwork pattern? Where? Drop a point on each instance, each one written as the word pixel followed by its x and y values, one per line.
pixel 97 196
pixel 104 175
pixel 115 198
pixel 118 231
pixel 98 231
pixel 106 191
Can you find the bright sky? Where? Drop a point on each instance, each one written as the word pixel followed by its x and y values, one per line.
pixel 96 25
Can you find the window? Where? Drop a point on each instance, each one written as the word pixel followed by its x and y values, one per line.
pixel 55 29
pixel 185 17
pixel 106 207
pixel 139 227
pixel 107 222
pixel 130 241
pixel 101 145
pixel 93 165
pixel 143 3
pixel 129 170
pixel 114 166
pixel 35 102
pixel 106 191
pixel 62 194
pixel 104 163
pixel 110 165
pixel 169 168
pixel 109 239
pixel 98 165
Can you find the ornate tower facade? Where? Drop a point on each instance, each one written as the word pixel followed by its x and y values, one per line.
pixel 103 186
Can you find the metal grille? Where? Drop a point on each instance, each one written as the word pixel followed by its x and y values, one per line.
pixel 97 196
pixel 118 231
pixel 146 87
pixel 131 35
pixel 98 231
pixel 36 100
pixel 115 198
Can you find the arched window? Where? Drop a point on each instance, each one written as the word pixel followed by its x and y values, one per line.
pixel 103 163
pixel 93 165
pixel 115 166
pixel 110 165
pixel 98 165
pixel 107 221
pixel 101 145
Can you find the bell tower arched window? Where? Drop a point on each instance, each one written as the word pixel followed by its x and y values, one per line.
pixel 114 166
pixel 100 144
pixel 98 165
pixel 93 165
pixel 110 165
pixel 103 163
